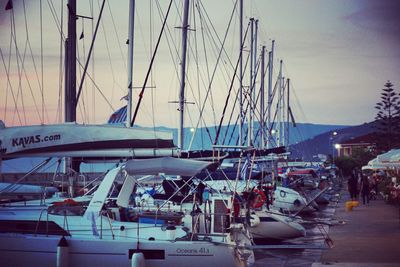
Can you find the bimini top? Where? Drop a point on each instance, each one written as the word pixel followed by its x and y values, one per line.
pixel 168 166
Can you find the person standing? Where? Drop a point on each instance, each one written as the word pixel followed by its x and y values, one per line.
pixel 352 186
pixel 364 188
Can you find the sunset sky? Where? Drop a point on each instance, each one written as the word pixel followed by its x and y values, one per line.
pixel 338 55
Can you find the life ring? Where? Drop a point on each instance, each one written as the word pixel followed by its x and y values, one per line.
pixel 260 198
pixel 282 193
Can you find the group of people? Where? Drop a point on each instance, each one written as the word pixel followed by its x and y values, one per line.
pixel 359 183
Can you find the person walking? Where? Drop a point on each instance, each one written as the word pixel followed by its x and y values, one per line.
pixel 364 186
pixel 352 186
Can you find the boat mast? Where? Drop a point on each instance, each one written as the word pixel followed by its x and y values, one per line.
pixel 250 119
pixel 70 65
pixel 270 73
pixel 280 100
pixel 130 60
pixel 241 72
pixel 288 113
pixel 185 27
pixel 262 115
pixel 253 86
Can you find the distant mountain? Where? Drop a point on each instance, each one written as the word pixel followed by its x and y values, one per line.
pixel 324 143
pixel 204 137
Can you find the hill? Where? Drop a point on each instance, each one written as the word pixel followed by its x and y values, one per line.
pixel 324 143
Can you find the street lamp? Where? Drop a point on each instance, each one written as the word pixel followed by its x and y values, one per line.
pixel 331 143
pixel 338 146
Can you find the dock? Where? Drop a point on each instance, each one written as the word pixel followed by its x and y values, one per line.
pixel 369 236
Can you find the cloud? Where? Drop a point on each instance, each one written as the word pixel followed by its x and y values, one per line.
pixel 381 17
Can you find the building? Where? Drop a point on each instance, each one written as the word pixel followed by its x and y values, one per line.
pixel 365 142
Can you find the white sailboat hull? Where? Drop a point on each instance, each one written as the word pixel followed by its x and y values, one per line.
pixel 20 250
pixel 276 227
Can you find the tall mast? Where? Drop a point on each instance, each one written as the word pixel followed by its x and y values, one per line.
pixel 250 111
pixel 241 72
pixel 185 27
pixel 270 74
pixel 288 113
pixel 253 86
pixel 262 115
pixel 70 65
pixel 130 60
pixel 280 103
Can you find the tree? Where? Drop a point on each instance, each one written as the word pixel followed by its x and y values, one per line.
pixel 346 164
pixel 388 118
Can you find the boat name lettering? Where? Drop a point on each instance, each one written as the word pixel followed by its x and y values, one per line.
pixel 192 251
pixel 33 139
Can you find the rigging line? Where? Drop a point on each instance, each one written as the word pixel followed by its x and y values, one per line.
pixel 117 36
pixel 90 52
pixel 54 14
pixel 221 43
pixel 97 87
pixel 91 3
pixel 226 78
pixel 10 86
pixel 19 90
pixel 198 69
pixel 27 44
pixel 7 86
pixel 41 55
pixel 215 68
pixel 86 95
pixel 109 59
pixel 150 66
pixel 152 92
pixel 204 32
pixel 60 71
pixel 229 93
pixel 244 114
pixel 79 105
pixel 230 118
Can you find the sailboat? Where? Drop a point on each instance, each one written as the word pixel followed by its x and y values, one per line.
pixel 94 232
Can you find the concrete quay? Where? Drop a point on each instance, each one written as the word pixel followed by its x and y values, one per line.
pixel 369 236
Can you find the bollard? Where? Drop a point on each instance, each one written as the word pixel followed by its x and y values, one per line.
pixel 349 206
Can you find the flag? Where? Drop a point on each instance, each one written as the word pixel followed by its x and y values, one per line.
pixel 9 5
pixel 118 116
pixel 246 164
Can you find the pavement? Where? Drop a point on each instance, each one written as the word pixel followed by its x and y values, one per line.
pixel 368 237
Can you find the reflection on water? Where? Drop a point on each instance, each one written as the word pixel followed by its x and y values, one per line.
pixel 299 257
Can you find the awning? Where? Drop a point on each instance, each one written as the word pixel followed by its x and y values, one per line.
pixel 168 166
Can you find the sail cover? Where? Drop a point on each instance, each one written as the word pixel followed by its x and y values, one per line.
pixel 49 140
pixel 167 166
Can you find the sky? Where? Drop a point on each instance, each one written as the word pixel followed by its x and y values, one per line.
pixel 338 55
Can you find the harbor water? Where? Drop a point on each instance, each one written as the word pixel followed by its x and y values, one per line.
pixel 315 237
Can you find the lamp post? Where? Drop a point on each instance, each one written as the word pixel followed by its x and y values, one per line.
pixel 332 144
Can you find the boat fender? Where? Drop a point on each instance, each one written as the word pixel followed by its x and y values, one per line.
pixel 62 253
pixel 282 193
pixel 138 260
pixel 254 220
pixel 170 232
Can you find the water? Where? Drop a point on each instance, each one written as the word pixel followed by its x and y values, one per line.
pixel 299 257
